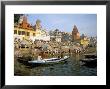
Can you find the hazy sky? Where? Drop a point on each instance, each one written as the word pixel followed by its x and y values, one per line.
pixel 86 23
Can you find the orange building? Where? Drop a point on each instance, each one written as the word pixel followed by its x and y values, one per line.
pixel 24 30
pixel 75 34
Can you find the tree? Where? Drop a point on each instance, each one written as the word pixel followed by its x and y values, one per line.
pixel 16 17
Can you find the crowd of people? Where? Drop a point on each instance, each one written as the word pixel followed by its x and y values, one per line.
pixel 46 48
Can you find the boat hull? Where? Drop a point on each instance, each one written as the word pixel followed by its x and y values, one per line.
pixel 89 62
pixel 48 61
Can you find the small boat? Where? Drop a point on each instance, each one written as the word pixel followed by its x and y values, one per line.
pixel 48 61
pixel 90 60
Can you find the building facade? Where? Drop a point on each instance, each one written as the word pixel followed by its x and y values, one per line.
pixel 24 31
pixel 56 35
pixel 75 34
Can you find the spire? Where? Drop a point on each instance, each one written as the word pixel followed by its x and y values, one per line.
pixel 75 27
pixel 75 30
pixel 38 25
pixel 25 19
pixel 75 33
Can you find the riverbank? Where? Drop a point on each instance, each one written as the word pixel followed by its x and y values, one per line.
pixel 34 53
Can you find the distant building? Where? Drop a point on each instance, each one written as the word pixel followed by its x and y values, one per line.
pixel 58 39
pixel 85 41
pixel 82 36
pixel 41 34
pixel 56 35
pixel 75 34
pixel 66 36
pixel 93 41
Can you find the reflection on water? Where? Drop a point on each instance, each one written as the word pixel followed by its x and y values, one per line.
pixel 71 67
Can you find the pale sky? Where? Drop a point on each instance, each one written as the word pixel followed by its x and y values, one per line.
pixel 86 23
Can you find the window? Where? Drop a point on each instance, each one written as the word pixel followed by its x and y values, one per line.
pixel 23 32
pixel 28 26
pixel 28 34
pixel 19 32
pixel 33 34
pixel 15 31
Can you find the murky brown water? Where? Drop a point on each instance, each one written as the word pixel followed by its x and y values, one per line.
pixel 71 67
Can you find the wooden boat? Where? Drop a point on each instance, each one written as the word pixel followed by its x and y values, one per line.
pixel 89 60
pixel 48 61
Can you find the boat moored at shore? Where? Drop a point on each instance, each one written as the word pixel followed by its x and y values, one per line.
pixel 48 61
pixel 90 60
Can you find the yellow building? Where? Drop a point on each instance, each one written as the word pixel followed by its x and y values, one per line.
pixel 22 33
pixel 85 41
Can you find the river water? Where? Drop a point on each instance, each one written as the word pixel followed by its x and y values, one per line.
pixel 71 67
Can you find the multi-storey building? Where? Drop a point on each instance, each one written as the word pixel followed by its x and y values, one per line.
pixel 23 30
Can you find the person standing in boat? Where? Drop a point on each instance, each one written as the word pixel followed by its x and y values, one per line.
pixel 41 55
pixel 69 51
pixel 62 54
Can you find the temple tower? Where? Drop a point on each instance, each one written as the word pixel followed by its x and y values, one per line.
pixel 38 25
pixel 75 34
